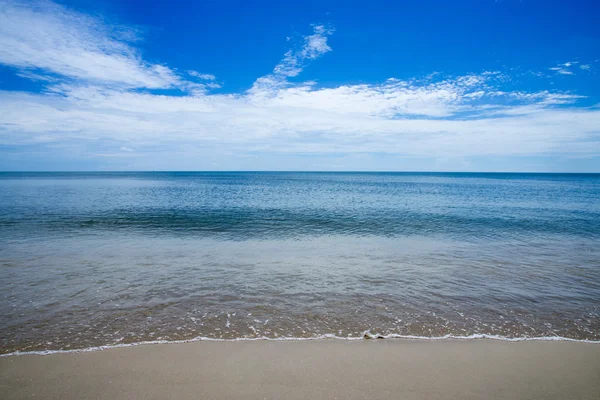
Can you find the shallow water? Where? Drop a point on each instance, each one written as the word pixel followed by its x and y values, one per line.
pixel 91 259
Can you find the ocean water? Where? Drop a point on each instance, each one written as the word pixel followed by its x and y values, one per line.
pixel 94 259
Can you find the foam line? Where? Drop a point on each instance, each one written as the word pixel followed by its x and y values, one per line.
pixel 366 335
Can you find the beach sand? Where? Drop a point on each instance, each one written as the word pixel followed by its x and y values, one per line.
pixel 320 369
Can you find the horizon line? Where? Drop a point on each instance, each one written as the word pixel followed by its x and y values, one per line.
pixel 299 171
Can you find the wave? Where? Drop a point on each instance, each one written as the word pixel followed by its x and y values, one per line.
pixel 253 222
pixel 366 336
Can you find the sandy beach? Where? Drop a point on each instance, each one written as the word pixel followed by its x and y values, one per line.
pixel 322 369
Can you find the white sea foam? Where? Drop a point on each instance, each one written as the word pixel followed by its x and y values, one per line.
pixel 366 336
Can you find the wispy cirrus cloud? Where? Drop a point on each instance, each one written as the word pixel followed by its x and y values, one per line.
pixel 293 62
pixel 44 37
pixel 99 99
pixel 206 77
pixel 563 69
pixel 570 67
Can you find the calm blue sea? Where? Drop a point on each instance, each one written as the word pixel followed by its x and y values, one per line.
pixel 90 259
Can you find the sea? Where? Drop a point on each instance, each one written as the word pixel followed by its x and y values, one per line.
pixel 89 260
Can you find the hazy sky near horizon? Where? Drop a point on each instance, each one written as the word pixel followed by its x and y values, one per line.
pixel 287 85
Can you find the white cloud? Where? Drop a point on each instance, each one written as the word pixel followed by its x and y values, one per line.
pixel 436 117
pixel 561 70
pixel 206 77
pixel 293 62
pixel 351 119
pixel 564 68
pixel 46 37
pixel 314 46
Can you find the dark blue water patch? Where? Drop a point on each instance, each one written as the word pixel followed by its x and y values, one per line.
pixel 243 222
pixel 240 205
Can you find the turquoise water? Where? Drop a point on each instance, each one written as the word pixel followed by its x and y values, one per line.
pixel 92 259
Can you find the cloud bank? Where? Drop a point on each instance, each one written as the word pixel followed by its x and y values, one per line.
pixel 100 101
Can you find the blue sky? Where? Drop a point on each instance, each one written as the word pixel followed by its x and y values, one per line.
pixel 283 85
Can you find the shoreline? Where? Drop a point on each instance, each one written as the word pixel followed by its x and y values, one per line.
pixel 299 369
pixel 367 336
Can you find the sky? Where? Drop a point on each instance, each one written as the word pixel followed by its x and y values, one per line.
pixel 441 85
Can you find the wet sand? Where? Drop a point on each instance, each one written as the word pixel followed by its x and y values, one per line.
pixel 322 369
